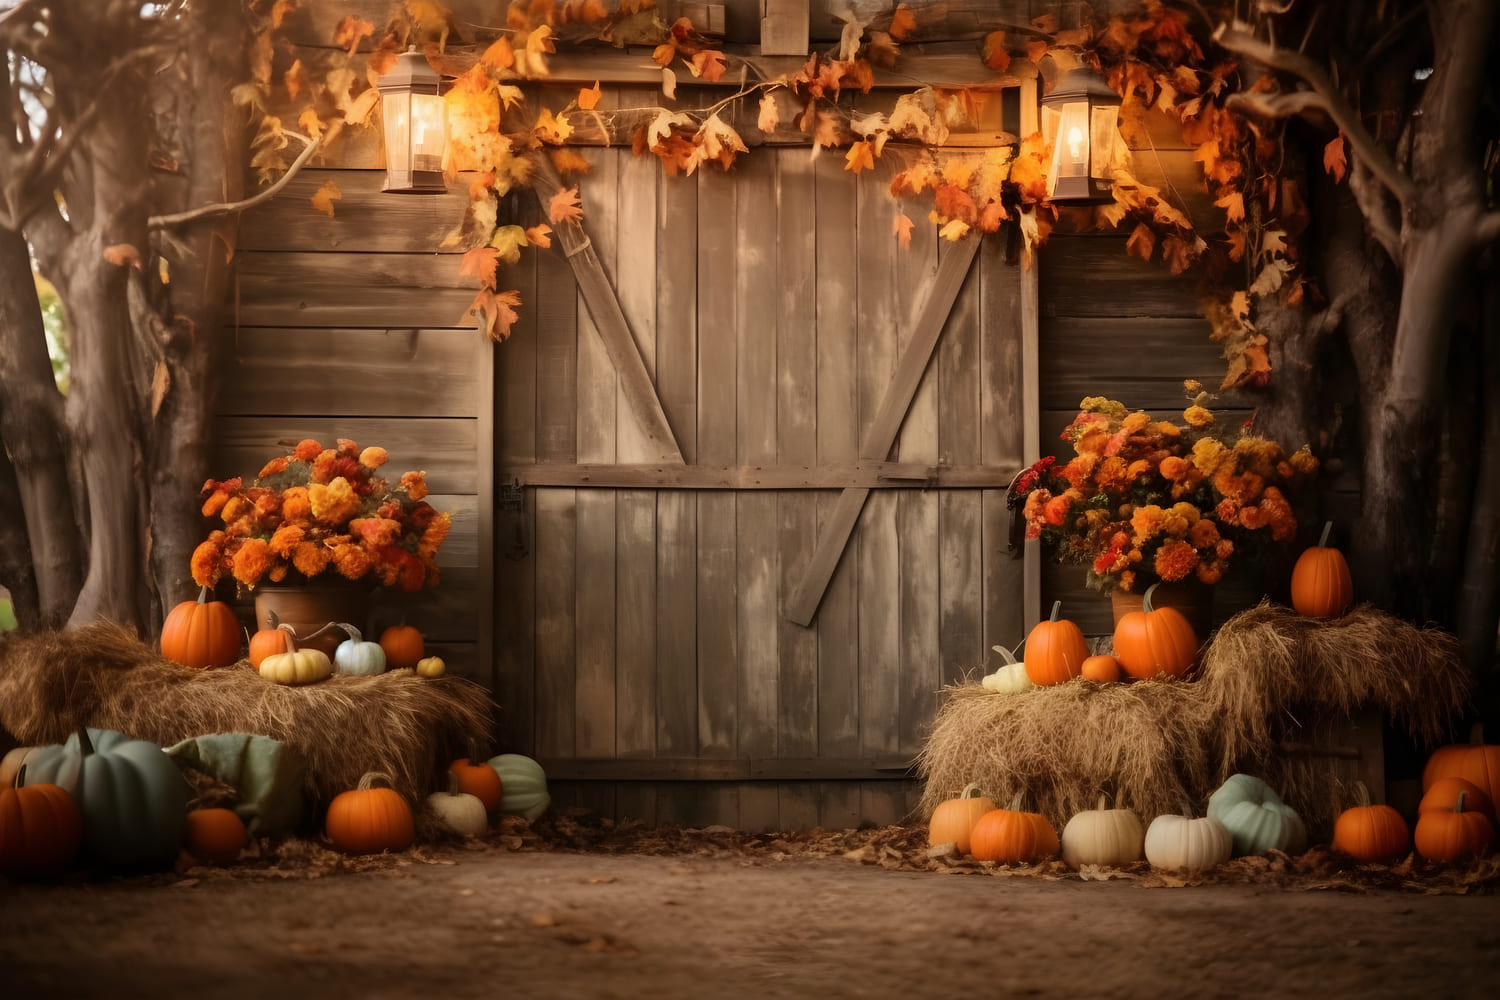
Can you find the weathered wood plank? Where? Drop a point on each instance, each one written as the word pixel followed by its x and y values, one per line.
pixel 556 622
pixel 1094 276
pixel 356 268
pixel 868 475
pixel 365 219
pixel 1146 375
pixel 515 612
pixel 1003 398
pixel 718 640
pixel 445 447
pixel 264 303
pixel 557 321
pixel 886 768
pixel 406 373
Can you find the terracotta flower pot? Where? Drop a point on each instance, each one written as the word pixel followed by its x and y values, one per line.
pixel 309 608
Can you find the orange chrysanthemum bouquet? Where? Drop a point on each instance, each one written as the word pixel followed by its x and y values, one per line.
pixel 1148 500
pixel 322 511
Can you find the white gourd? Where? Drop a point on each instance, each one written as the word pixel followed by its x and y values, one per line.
pixel 1010 678
pixel 459 811
pixel 1189 845
pixel 1109 837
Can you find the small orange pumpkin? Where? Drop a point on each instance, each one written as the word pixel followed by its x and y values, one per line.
pixel 1155 642
pixel 1450 834
pixel 1322 586
pixel 1013 836
pixel 479 780
pixel 1102 668
pixel 201 633
pixel 1370 833
pixel 1476 762
pixel 953 821
pixel 403 647
pixel 268 641
pixel 1055 650
pixel 41 827
pixel 214 835
pixel 368 820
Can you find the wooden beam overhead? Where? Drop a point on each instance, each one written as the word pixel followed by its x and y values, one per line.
pixel 865 475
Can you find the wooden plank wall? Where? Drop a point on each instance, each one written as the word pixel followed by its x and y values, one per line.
pixel 770 305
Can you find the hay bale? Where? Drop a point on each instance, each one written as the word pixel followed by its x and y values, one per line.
pixel 102 675
pixel 1163 745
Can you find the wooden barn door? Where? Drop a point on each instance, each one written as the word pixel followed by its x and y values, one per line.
pixel 751 459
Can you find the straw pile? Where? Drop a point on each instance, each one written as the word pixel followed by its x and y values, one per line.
pixel 102 675
pixel 1163 746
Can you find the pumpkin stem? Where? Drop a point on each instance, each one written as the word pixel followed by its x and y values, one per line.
pixel 1056 610
pixel 452 783
pixel 1146 598
pixel 1361 794
pixel 291 637
pixel 1323 538
pixel 1458 806
pixel 85 745
pixel 21 777
pixel 1103 801
pixel 1016 801
pixel 204 594
pixel 368 779
pixel 349 630
pixel 970 790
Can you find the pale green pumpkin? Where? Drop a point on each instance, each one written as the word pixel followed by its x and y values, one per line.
pixel 133 798
pixel 523 785
pixel 1256 818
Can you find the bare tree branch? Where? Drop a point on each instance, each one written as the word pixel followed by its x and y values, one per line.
pixel 1380 220
pixel 204 211
pixel 1364 145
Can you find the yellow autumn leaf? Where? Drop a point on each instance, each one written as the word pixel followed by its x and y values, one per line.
pixel 508 241
pixel 770 115
pixel 324 197
pixel 902 230
pixel 955 230
pixel 499 55
pixel 860 157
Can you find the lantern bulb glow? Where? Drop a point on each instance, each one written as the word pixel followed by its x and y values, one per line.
pixel 1075 142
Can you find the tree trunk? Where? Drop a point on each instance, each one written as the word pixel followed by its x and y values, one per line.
pixel 31 427
pixel 16 574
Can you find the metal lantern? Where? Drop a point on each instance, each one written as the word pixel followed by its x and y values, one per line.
pixel 1080 118
pixel 415 130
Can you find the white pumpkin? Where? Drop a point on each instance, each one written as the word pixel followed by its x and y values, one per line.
pixel 1256 818
pixel 10 765
pixel 1182 844
pixel 356 656
pixel 1010 678
pixel 459 811
pixel 1109 837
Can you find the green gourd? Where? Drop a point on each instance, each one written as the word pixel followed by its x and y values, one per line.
pixel 133 798
pixel 1256 818
pixel 523 785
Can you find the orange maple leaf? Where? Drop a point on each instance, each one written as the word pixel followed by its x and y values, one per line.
pixel 351 31
pixel 494 312
pixel 903 229
pixel 991 216
pixel 1334 158
pixel 540 235
pixel 295 79
pixel 955 203
pixel 568 162
pixel 588 97
pixel 1178 253
pixel 861 156
pixel 1233 205
pixel 996 56
pixel 481 263
pixel 1142 242
pixel 664 53
pixel 499 55
pixel 903 22
pixel 708 64
pixel 482 184
pixel 324 197
pixel 564 206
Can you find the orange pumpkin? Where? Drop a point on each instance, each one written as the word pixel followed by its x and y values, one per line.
pixel 1444 793
pixel 1013 836
pixel 1370 833
pixel 214 835
pixel 479 780
pixel 1055 650
pixel 953 821
pixel 1475 762
pixel 269 641
pixel 1321 584
pixel 1451 834
pixel 368 820
pixel 1103 669
pixel 403 647
pixel 41 827
pixel 1154 642
pixel 201 633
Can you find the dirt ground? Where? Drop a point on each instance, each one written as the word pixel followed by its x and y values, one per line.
pixel 570 909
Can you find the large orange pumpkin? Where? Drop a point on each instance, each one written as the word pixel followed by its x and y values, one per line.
pixel 1452 834
pixel 1444 793
pixel 1476 762
pixel 368 820
pixel 403 647
pixel 1321 584
pixel 201 633
pixel 1055 650
pixel 1013 836
pixel 1370 833
pixel 1155 642
pixel 953 821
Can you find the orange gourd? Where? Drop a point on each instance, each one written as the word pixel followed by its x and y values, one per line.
pixel 201 633
pixel 1102 669
pixel 214 835
pixel 1321 584
pixel 268 641
pixel 1444 793
pixel 1451 834
pixel 479 780
pixel 403 647
pixel 953 821
pixel 368 820
pixel 1155 642
pixel 1370 833
pixel 1055 650
pixel 1013 836
pixel 41 827
pixel 1476 762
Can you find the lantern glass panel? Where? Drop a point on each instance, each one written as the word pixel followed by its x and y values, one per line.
pixel 427 132
pixel 1104 131
pixel 396 107
pixel 1069 130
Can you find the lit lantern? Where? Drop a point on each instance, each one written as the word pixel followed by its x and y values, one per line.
pixel 415 130
pixel 1080 119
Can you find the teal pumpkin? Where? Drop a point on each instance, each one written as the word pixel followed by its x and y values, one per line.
pixel 1256 818
pixel 523 785
pixel 133 798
